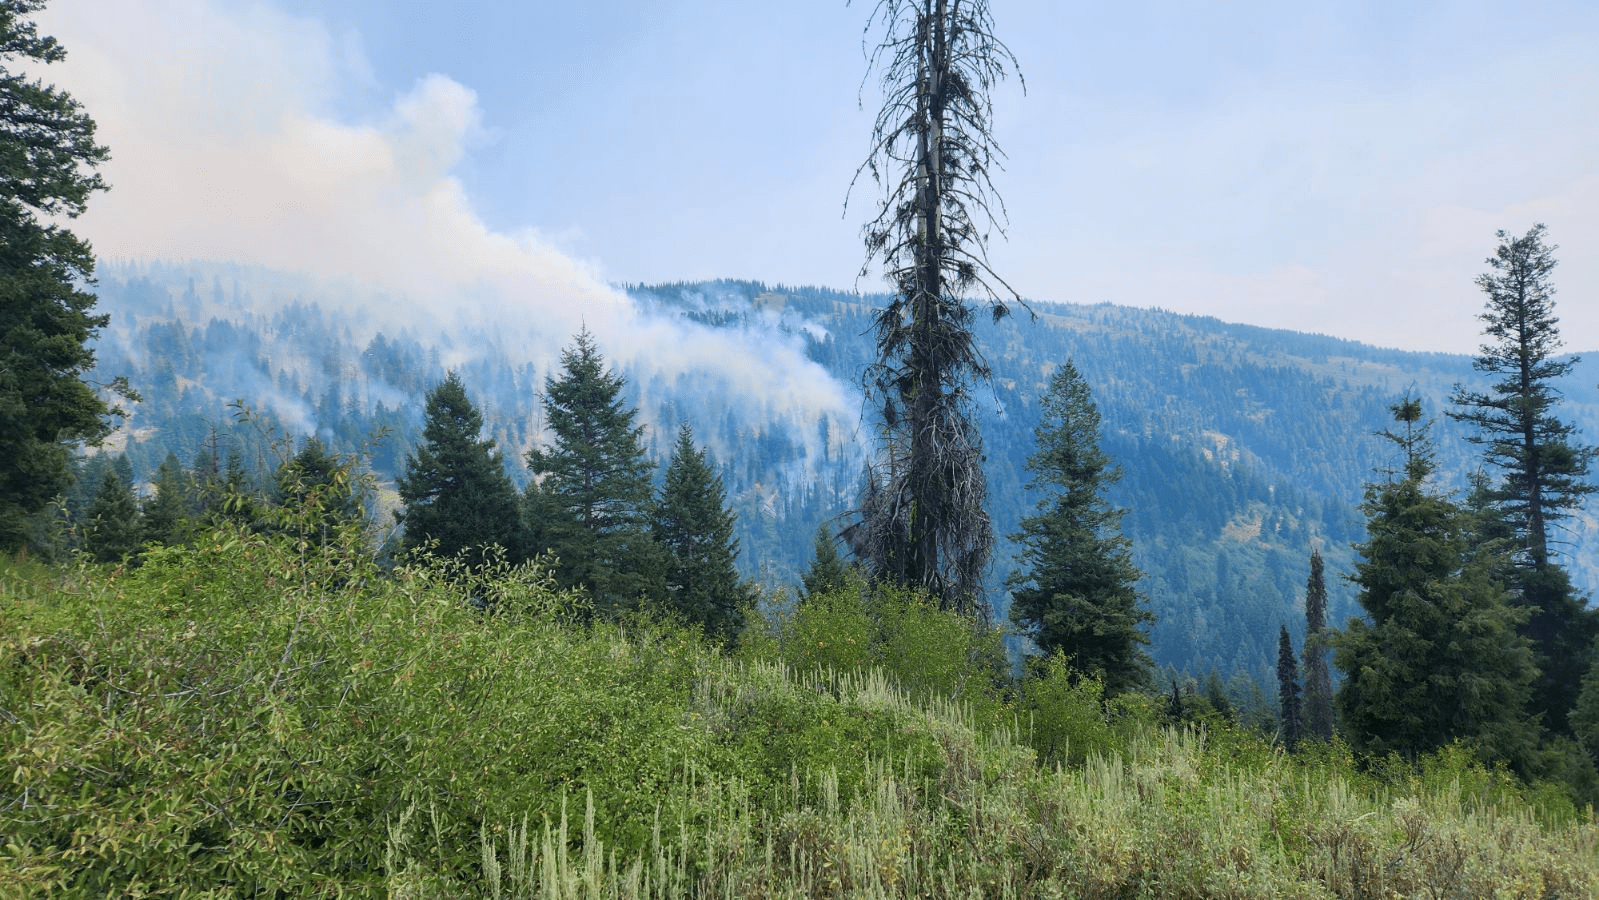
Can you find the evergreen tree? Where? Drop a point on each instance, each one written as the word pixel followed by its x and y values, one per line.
pixel 595 480
pixel 1544 468
pixel 1438 658
pixel 169 513
pixel 455 489
pixel 1077 593
pixel 695 529
pixel 828 571
pixel 320 487
pixel 1317 706
pixel 1215 693
pixel 1585 713
pixel 1288 689
pixel 923 518
pixel 112 533
pixel 46 318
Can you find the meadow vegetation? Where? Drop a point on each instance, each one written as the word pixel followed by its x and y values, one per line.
pixel 261 714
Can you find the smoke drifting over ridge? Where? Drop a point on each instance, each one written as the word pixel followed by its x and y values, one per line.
pixel 227 148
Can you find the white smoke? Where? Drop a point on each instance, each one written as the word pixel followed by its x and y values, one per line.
pixel 227 148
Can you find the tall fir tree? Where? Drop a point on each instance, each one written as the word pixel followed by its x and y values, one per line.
pixel 828 571
pixel 1076 592
pixel 168 515
pixel 322 493
pixel 455 489
pixel 1544 469
pixel 1318 719
pixel 47 143
pixel 1288 697
pixel 112 532
pixel 594 484
pixel 1440 658
pixel 694 527
pixel 924 522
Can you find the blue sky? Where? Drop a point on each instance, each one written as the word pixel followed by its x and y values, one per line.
pixel 1328 166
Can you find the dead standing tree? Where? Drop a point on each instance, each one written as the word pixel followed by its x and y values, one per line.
pixel 923 521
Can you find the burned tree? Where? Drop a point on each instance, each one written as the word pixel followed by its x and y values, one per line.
pixel 922 520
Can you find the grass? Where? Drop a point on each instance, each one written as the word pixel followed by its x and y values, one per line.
pixel 252 717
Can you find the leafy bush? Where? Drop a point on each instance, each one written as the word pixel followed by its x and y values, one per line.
pixel 932 653
pixel 261 715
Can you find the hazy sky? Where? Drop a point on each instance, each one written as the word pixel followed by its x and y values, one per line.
pixel 1328 166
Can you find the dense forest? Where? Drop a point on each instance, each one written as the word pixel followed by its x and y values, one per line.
pixel 1244 449
pixel 304 592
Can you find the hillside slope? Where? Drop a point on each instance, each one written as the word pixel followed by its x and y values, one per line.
pixel 1243 448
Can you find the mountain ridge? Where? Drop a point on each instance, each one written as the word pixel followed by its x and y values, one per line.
pixel 1245 447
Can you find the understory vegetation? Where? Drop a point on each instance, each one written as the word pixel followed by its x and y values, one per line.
pixel 258 714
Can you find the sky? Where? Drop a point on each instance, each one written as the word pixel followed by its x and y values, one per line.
pixel 1335 166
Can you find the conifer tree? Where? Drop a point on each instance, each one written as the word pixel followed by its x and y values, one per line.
pixel 694 528
pixel 828 571
pixel 595 482
pixel 1585 713
pixel 1439 658
pixel 923 520
pixel 168 514
pixel 1317 704
pixel 1543 468
pixel 1077 592
pixel 112 532
pixel 47 144
pixel 1288 689
pixel 455 489
pixel 321 485
pixel 1215 693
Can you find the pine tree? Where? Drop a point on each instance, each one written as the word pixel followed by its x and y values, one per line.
pixel 595 480
pixel 1215 693
pixel 1288 689
pixel 828 571
pixel 1585 713
pixel 1438 657
pixel 168 515
pixel 47 143
pixel 1077 592
pixel 1317 709
pixel 112 532
pixel 1544 468
pixel 320 489
pixel 455 489
pixel 695 529
pixel 923 520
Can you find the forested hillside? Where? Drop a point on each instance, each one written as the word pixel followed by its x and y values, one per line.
pixel 1243 448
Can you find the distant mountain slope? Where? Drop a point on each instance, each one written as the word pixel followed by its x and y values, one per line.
pixel 1243 447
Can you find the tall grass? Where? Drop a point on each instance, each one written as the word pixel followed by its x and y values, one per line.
pixel 255 717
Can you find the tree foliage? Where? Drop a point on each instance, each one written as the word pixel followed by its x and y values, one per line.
pixel 1317 704
pixel 694 528
pixel 1438 659
pixel 457 496
pixel 594 483
pixel 112 532
pixel 1075 592
pixel 923 518
pixel 1543 467
pixel 322 488
pixel 828 571
pixel 48 156
pixel 169 513
pixel 1288 691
